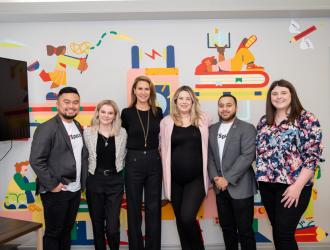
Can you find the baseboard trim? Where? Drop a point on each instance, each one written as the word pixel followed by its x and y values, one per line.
pixel 260 246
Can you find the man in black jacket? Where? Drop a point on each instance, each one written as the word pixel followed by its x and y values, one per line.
pixel 59 158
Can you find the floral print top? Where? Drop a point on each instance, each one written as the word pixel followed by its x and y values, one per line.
pixel 284 149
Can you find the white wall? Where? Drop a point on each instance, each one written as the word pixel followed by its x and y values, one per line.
pixel 109 64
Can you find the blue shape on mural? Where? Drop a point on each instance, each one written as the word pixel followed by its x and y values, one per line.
pixel 79 234
pixel 170 60
pixel 163 98
pixel 135 57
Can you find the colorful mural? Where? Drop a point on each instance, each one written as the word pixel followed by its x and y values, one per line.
pixel 306 42
pixel 214 74
pixel 238 75
pixel 166 79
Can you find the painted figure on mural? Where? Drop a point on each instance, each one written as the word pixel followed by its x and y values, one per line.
pixel 58 76
pixel 19 193
pixel 184 142
pixel 242 58
pixel 288 151
pixel 231 153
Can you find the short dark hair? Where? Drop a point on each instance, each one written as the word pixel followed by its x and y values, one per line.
pixel 67 90
pixel 295 106
pixel 228 95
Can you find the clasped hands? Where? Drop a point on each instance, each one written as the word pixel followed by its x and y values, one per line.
pixel 221 183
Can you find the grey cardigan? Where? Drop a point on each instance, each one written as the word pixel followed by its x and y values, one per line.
pixel 90 136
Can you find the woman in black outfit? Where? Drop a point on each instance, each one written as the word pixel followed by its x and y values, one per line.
pixel 106 143
pixel 184 141
pixel 143 165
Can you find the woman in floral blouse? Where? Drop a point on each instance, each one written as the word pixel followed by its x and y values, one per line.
pixel 288 151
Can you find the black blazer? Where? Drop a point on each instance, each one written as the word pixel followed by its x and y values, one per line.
pixel 52 157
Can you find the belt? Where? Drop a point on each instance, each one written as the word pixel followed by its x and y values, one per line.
pixel 106 172
pixel 145 152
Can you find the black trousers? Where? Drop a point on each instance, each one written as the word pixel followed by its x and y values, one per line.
pixel 104 195
pixel 236 219
pixel 284 221
pixel 186 200
pixel 143 173
pixel 60 211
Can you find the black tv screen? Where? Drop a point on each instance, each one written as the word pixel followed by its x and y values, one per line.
pixel 14 101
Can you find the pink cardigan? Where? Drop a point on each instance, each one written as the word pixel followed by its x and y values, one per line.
pixel 166 128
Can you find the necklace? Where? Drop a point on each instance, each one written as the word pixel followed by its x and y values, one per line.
pixel 105 140
pixel 145 133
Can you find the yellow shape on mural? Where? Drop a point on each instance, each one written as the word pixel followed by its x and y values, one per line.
pixel 10 45
pixel 162 71
pixel 239 93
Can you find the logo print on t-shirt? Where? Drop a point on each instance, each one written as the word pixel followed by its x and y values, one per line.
pixel 72 137
pixel 222 136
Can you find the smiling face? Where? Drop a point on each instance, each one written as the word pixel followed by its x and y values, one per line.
pixel 106 115
pixel 184 102
pixel 68 105
pixel 281 98
pixel 142 92
pixel 227 108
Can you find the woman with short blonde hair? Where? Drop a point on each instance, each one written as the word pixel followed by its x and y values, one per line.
pixel 116 124
pixel 106 144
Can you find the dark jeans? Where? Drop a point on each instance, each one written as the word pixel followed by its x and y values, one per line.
pixel 284 221
pixel 143 173
pixel 60 211
pixel 104 195
pixel 236 219
pixel 186 201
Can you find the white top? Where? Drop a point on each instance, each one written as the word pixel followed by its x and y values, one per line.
pixel 222 135
pixel 77 145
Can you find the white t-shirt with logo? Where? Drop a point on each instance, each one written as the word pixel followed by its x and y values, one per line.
pixel 77 145
pixel 222 136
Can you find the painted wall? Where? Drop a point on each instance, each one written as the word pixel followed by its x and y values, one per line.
pixel 172 53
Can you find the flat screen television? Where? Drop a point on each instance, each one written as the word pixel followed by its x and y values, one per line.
pixel 14 100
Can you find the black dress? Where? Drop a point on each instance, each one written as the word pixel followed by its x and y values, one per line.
pixel 187 185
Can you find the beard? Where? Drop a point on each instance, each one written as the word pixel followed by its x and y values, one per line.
pixel 69 117
pixel 232 116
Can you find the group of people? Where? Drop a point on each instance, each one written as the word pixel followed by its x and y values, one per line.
pixel 140 150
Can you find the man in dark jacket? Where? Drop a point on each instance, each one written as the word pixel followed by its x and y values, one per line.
pixel 231 153
pixel 60 160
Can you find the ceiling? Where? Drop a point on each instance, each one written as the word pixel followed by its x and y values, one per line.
pixel 82 10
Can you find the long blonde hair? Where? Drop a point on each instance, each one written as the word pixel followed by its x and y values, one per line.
pixel 152 98
pixel 195 113
pixel 116 123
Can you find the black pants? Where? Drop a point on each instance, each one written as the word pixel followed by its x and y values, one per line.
pixel 60 211
pixel 186 201
pixel 284 221
pixel 143 172
pixel 236 219
pixel 104 195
